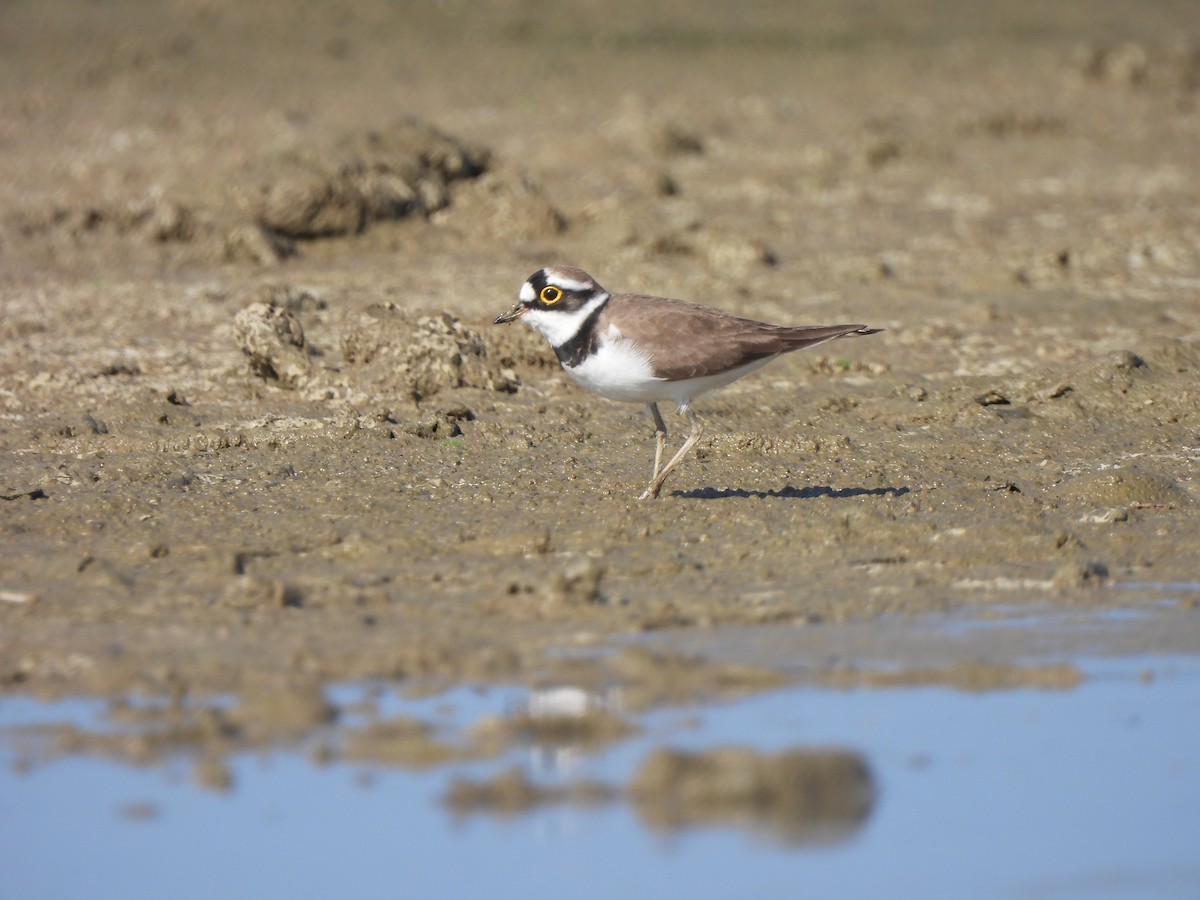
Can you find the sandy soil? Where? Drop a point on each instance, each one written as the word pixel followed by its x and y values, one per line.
pixel 258 433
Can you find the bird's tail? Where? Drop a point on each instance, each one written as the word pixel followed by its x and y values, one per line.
pixel 812 335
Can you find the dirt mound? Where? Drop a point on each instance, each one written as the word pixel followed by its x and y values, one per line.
pixel 402 170
pixel 261 211
pixel 424 353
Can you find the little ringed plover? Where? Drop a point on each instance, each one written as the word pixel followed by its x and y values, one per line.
pixel 649 349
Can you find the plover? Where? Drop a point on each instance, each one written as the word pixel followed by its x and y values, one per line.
pixel 640 349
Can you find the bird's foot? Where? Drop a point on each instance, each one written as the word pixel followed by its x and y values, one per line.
pixel 650 493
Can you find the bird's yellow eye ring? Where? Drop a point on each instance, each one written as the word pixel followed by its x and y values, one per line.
pixel 550 294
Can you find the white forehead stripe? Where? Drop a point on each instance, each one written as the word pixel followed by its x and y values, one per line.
pixel 567 284
pixel 526 292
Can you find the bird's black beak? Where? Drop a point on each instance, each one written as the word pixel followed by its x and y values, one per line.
pixel 518 310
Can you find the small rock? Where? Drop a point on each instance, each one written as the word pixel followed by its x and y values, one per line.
pixel 992 397
pixel 1107 517
pixel 1056 392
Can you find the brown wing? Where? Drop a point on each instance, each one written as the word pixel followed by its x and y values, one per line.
pixel 686 340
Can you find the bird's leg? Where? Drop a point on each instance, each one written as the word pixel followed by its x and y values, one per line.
pixel 660 436
pixel 656 485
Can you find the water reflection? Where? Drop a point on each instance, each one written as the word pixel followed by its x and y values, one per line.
pixel 798 795
pixel 540 744
pixel 925 791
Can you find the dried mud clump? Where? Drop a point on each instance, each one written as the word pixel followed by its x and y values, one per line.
pixel 428 354
pixel 151 217
pixel 1123 488
pixel 511 207
pixel 404 169
pixel 319 190
pixel 799 795
pixel 273 340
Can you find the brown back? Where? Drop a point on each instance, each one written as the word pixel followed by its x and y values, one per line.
pixel 686 340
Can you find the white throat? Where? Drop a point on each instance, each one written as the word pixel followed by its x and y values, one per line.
pixel 559 326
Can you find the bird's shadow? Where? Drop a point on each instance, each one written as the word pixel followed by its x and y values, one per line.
pixel 791 493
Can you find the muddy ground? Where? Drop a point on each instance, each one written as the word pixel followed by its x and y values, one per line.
pixel 259 435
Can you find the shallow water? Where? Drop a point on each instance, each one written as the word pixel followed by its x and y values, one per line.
pixel 1025 793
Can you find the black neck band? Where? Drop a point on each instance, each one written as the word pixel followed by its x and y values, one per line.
pixel 583 342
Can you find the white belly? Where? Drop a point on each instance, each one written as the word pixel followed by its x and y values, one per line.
pixel 619 371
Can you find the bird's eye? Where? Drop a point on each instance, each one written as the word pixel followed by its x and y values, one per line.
pixel 550 294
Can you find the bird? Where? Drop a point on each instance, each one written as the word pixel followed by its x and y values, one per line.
pixel 639 349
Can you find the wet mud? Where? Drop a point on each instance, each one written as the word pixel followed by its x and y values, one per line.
pixel 258 435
